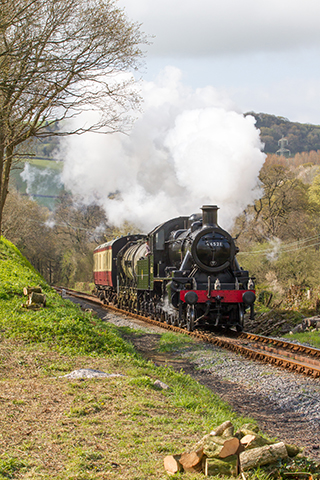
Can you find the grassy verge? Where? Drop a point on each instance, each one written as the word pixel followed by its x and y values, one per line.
pixel 52 427
pixel 120 427
pixel 311 338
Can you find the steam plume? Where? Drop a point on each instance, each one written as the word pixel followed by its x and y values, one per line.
pixel 187 148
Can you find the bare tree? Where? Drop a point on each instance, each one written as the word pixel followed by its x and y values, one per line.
pixel 60 247
pixel 24 224
pixel 78 229
pixel 77 225
pixel 57 59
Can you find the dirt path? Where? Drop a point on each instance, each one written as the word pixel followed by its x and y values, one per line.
pixel 272 420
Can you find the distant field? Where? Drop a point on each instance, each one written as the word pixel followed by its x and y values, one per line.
pixel 52 164
pixel 40 179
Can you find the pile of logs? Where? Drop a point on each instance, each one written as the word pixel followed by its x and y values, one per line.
pixel 271 322
pixel 309 324
pixel 36 299
pixel 227 453
pixel 267 323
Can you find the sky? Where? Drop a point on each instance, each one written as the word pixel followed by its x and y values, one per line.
pixel 263 55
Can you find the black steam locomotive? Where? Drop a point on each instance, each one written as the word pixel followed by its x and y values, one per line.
pixel 184 272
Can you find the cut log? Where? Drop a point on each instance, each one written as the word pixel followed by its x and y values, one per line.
pixel 230 447
pixel 247 431
pixel 263 456
pixel 215 445
pixel 172 464
pixel 226 429
pixel 252 427
pixel 37 298
pixel 201 442
pixel 247 440
pixel 31 307
pixel 192 462
pixel 254 441
pixel 221 428
pixel 244 431
pixel 206 441
pixel 229 432
pixel 28 290
pixel 218 466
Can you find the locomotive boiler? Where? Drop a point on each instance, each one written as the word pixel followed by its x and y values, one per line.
pixel 184 272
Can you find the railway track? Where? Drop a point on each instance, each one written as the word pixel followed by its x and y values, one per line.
pixel 296 358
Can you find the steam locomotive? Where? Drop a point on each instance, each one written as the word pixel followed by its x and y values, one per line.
pixel 184 272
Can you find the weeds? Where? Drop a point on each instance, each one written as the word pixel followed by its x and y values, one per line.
pixel 171 342
pixel 9 466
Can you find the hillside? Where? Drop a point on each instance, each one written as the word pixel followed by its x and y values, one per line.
pixel 40 179
pixel 302 137
pixel 61 324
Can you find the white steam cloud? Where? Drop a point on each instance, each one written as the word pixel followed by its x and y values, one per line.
pixel 188 148
pixel 39 181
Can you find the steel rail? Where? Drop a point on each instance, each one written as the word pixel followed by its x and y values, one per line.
pixel 296 358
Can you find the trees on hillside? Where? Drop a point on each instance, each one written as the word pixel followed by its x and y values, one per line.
pixel 24 224
pixel 58 58
pixel 281 212
pixel 60 247
pixel 283 203
pixel 279 235
pixel 302 137
pixel 78 230
pixel 314 191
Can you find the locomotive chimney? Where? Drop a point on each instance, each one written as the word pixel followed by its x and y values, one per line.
pixel 209 215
